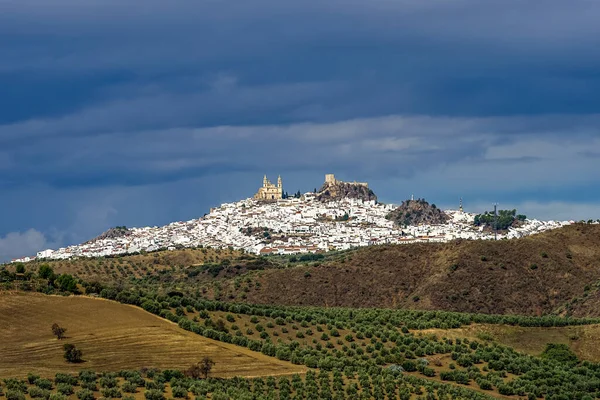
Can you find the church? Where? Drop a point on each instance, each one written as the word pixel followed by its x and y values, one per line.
pixel 269 191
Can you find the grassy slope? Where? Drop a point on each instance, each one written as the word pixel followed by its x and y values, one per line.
pixel 583 340
pixel 533 276
pixel 112 337
pixel 140 265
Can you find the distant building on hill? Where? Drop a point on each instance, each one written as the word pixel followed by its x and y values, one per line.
pixel 269 191
pixel 331 180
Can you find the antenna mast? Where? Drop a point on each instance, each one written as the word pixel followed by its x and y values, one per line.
pixel 495 221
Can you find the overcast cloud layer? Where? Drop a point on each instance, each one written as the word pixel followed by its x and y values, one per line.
pixel 141 113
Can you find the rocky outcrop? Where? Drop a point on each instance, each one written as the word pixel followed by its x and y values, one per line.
pixel 334 191
pixel 417 212
pixel 112 233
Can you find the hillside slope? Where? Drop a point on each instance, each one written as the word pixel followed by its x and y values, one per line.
pixel 166 264
pixel 417 212
pixel 345 190
pixel 534 275
pixel 112 337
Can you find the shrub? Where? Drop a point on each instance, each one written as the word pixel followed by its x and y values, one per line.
pixel 485 384
pixel 58 331
pixel 72 353
pixel 58 396
pixel 38 393
pixel 154 394
pixel 559 352
pixel 465 361
pixel 153 385
pixel 64 388
pixel 31 378
pixel 45 272
pixel 66 283
pixel 180 392
pixel 90 386
pixel 461 377
pixel 112 393
pixel 65 378
pixel 108 382
pixel 506 390
pixel 44 384
pixel 85 394
pixel 409 366
pixel 129 387
pixel 87 376
pixel 13 394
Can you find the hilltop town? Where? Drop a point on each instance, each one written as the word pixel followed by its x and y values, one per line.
pixel 272 223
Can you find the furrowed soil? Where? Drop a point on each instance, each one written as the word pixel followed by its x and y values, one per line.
pixel 112 337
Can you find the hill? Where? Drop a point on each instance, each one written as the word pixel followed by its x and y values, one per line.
pixel 359 352
pixel 112 337
pixel 338 190
pixel 162 264
pixel 417 212
pixel 534 275
pixel 112 233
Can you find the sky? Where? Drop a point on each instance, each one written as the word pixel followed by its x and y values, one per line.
pixel 121 112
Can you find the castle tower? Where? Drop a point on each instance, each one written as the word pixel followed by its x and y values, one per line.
pixel 279 185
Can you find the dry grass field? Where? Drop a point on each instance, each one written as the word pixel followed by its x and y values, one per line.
pixel 112 337
pixel 583 340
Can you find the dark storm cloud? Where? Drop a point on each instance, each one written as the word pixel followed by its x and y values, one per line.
pixel 106 105
pixel 462 57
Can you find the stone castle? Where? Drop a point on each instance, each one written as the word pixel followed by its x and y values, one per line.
pixel 269 191
pixel 330 180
